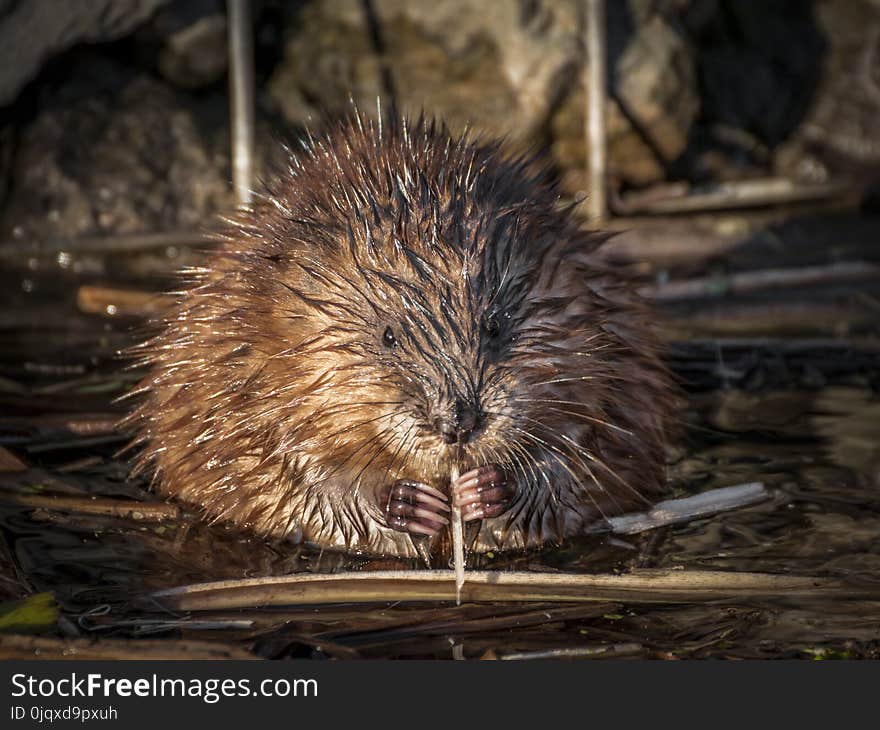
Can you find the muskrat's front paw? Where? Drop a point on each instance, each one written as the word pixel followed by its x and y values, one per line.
pixel 415 507
pixel 482 493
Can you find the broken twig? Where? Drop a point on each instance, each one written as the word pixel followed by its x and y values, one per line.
pixel 674 511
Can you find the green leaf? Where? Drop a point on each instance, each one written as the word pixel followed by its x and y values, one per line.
pixel 32 615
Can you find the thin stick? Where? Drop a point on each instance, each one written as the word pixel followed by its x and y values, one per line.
pixel 794 345
pixel 577 652
pixel 389 586
pixel 76 443
pixel 517 620
pixel 241 89
pixel 734 194
pixel 674 511
pixel 39 647
pixel 779 319
pixel 594 80
pixel 125 508
pixel 114 302
pixel 763 279
pixel 457 544
pixel 143 627
pixel 78 424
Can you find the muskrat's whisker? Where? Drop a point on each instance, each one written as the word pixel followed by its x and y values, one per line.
pixel 594 458
pixel 360 424
pixel 392 461
pixel 411 443
pixel 528 460
pixel 577 414
pixel 550 449
pixel 518 463
pixel 600 376
pixel 385 434
pixel 368 443
pixel 562 458
pixel 574 447
pixel 342 408
pixel 525 459
pixel 391 435
pixel 514 447
pixel 563 380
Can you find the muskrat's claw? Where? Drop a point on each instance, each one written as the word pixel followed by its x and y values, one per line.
pixel 482 493
pixel 415 507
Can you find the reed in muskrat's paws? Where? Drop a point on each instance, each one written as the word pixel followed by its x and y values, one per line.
pixel 397 303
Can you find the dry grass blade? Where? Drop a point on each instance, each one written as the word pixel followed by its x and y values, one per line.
pixel 640 586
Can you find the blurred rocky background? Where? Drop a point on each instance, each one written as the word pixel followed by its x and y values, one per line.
pixel 113 113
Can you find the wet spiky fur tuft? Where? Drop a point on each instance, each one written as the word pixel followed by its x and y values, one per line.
pixel 274 401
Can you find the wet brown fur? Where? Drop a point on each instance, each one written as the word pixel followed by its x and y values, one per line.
pixel 273 402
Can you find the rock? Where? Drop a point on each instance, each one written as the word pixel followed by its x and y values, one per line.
pixel 630 159
pixel 498 66
pixel 196 55
pixel 655 81
pixel 505 68
pixel 186 43
pixel 844 113
pixel 113 148
pixel 115 154
pixel 839 134
pixel 654 102
pixel 33 31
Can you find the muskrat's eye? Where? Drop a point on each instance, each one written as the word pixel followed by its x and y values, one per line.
pixel 491 326
pixel 388 338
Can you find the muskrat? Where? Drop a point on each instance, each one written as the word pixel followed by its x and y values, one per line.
pixel 397 302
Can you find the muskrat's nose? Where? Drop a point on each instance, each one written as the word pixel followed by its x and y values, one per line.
pixel 457 428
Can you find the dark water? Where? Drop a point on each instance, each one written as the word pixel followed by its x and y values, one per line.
pixel 803 418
